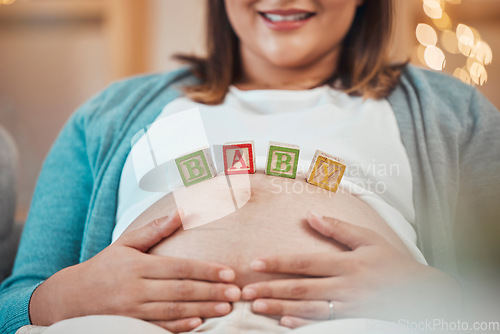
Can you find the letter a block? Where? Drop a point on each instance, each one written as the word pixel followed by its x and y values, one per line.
pixel 239 158
pixel 326 171
pixel 282 160
pixel 196 167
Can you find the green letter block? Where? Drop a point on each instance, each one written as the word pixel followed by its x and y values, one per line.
pixel 282 160
pixel 196 167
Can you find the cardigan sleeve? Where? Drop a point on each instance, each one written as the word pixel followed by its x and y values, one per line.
pixel 52 236
pixel 450 132
pixel 478 209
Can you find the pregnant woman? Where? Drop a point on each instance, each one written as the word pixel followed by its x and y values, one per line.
pixel 309 72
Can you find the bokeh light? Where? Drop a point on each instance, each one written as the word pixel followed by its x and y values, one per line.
pixel 435 58
pixel 426 35
pixel 478 74
pixel 482 53
pixel 463 40
pixel 433 9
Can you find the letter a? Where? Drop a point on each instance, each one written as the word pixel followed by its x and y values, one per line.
pixel 238 157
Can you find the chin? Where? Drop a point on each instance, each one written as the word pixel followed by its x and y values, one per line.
pixel 294 56
pixel 290 61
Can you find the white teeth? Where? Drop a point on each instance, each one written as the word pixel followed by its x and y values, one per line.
pixel 281 18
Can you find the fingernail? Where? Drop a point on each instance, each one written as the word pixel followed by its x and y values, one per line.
pixel 226 275
pixel 223 308
pixel 232 293
pixel 259 306
pixel 286 322
pixel 249 293
pixel 195 323
pixel 258 265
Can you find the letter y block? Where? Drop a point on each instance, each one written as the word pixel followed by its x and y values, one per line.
pixel 326 171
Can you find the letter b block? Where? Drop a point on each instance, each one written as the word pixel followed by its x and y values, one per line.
pixel 326 171
pixel 282 160
pixel 196 167
pixel 239 158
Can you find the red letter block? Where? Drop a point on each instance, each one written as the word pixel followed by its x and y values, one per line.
pixel 239 157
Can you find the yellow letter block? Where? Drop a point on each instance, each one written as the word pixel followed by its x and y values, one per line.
pixel 326 171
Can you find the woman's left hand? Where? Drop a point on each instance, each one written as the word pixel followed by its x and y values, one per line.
pixel 373 279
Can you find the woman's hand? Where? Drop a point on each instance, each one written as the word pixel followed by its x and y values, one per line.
pixel 171 292
pixel 372 280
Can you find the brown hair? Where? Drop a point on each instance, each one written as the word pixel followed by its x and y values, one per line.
pixel 363 67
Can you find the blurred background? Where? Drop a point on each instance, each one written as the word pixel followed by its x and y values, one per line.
pixel 55 54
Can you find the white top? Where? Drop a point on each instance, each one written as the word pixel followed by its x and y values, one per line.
pixel 362 132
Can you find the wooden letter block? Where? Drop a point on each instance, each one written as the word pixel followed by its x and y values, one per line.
pixel 196 167
pixel 326 171
pixel 239 158
pixel 282 160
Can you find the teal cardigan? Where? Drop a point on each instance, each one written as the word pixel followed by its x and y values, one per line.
pixel 450 131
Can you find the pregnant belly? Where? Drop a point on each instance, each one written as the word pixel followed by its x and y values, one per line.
pixel 272 222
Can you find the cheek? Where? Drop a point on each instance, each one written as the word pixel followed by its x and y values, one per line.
pixel 247 25
pixel 337 18
pixel 241 16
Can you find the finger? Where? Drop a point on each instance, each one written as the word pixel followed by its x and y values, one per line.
pixel 161 267
pixel 294 322
pixel 348 234
pixel 315 264
pixel 166 311
pixel 188 290
pixel 149 235
pixel 305 309
pixel 304 288
pixel 178 326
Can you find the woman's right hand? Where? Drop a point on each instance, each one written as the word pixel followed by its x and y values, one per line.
pixel 173 293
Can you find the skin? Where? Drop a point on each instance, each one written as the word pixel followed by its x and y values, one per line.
pixel 176 293
pixel 269 223
pixel 169 292
pixel 301 59
pixel 298 59
pixel 371 273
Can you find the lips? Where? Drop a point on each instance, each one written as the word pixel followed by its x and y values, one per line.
pixel 286 19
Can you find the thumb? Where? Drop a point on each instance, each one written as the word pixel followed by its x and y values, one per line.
pixel 149 235
pixel 348 234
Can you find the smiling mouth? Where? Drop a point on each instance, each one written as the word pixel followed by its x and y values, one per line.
pixel 273 17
